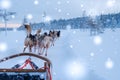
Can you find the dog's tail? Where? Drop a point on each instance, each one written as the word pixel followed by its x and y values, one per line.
pixel 28 28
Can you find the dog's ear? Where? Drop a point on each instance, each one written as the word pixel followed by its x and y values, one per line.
pixel 25 26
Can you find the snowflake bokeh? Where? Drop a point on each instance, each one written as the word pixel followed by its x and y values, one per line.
pixel 109 63
pixel 97 40
pixel 5 4
pixel 76 70
pixel 47 19
pixel 111 3
pixel 29 16
pixel 36 2
pixel 3 46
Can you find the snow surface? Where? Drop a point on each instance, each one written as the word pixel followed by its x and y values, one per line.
pixel 74 49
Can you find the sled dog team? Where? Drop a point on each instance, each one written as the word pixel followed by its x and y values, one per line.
pixel 38 41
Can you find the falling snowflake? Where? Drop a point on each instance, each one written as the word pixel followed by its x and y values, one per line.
pixel 16 41
pixel 3 47
pixel 47 19
pixel 29 16
pixel 36 2
pixel 5 4
pixel 74 32
pixel 111 3
pixel 42 76
pixel 68 27
pixel 68 14
pixel 68 2
pixel 82 5
pixel 92 54
pixel 71 46
pixel 97 40
pixel 109 63
pixel 76 70
pixel 59 10
pixel 59 2
pixel 13 16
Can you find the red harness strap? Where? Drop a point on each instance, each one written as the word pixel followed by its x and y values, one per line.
pixel 49 73
pixel 26 63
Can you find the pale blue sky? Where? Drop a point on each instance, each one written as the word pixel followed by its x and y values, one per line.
pixel 64 9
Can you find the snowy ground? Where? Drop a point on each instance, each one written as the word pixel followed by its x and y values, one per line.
pixel 75 56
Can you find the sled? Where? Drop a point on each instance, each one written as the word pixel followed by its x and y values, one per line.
pixel 19 73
